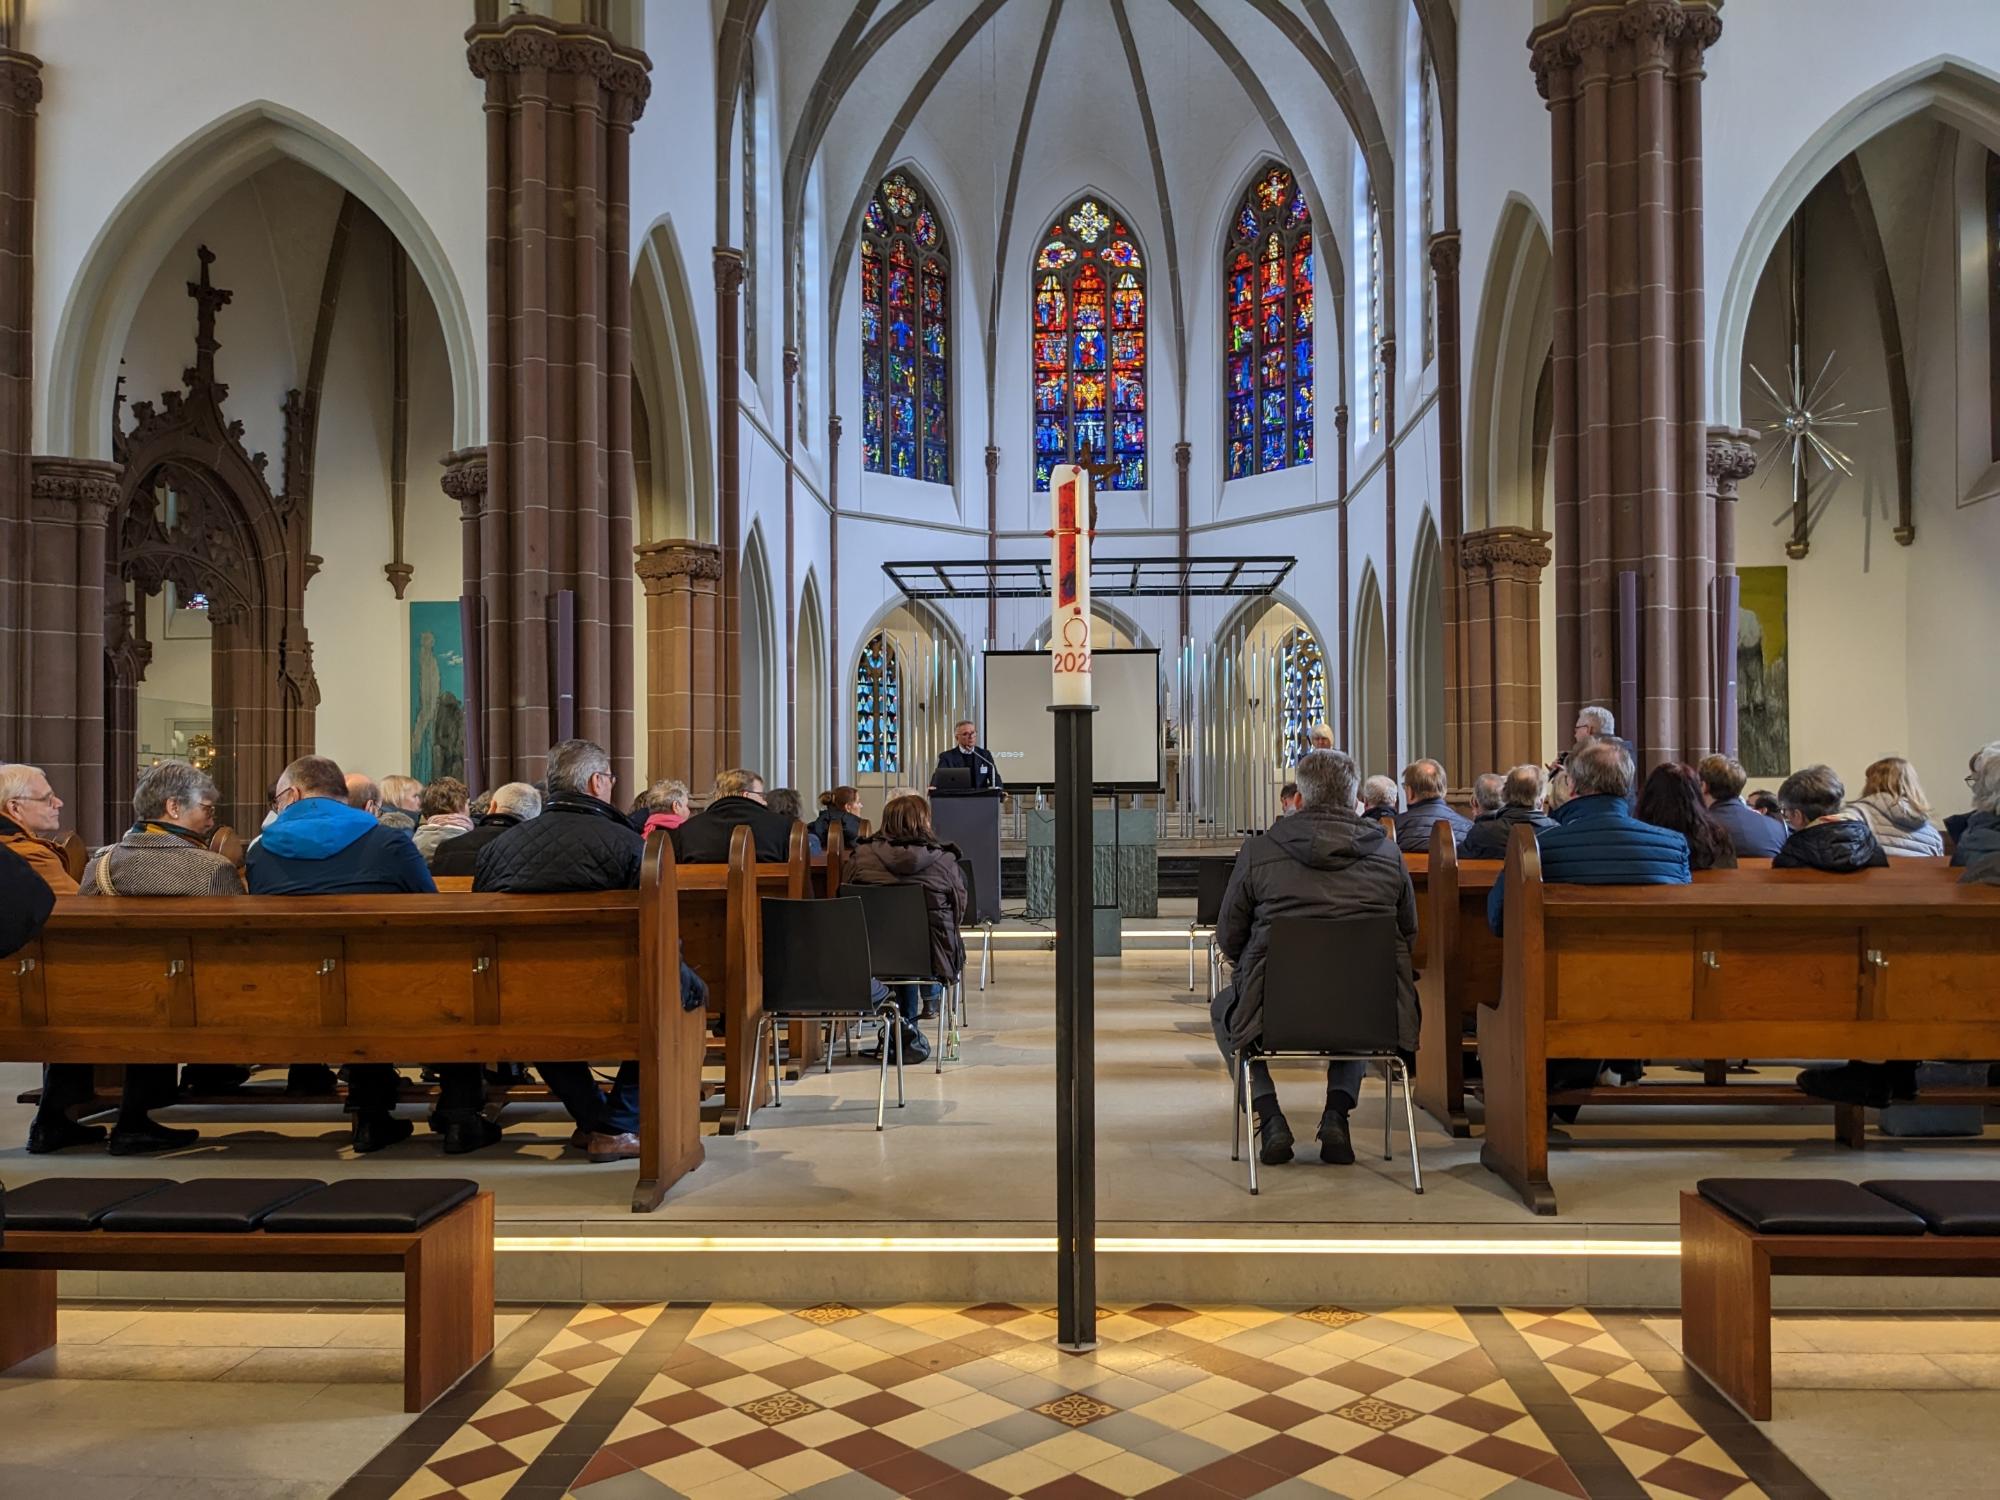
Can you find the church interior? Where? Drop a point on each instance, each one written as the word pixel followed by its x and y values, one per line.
pixel 567 426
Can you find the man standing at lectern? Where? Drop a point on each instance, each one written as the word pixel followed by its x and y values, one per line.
pixel 970 757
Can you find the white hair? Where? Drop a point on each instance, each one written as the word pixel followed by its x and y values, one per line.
pixel 518 799
pixel 1986 783
pixel 1600 719
pixel 1379 791
pixel 18 781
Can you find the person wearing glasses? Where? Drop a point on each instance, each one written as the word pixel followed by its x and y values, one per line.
pixel 30 814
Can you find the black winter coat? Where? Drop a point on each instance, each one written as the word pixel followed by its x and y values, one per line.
pixel 460 856
pixel 577 844
pixel 1319 862
pixel 25 902
pixel 704 838
pixel 1487 837
pixel 1840 846
pixel 933 867
pixel 850 828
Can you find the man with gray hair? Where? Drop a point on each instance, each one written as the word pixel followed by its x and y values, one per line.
pixel 1485 800
pixel 1423 789
pixel 1378 798
pixel 507 807
pixel 1520 802
pixel 1977 834
pixel 738 803
pixel 1322 861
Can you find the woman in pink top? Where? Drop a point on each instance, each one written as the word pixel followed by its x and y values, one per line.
pixel 669 803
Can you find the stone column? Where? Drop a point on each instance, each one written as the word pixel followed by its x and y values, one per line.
pixel 1184 508
pixel 729 489
pixel 20 92
pixel 785 585
pixel 1501 571
pixel 837 690
pixel 560 104
pixel 70 500
pixel 1732 458
pixel 992 537
pixel 1340 419
pixel 683 703
pixel 1623 85
pixel 1444 250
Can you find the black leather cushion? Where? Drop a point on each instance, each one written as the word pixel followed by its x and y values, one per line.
pixel 210 1205
pixel 1791 1205
pixel 74 1202
pixel 365 1205
pixel 1959 1206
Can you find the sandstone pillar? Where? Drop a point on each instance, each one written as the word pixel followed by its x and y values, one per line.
pixel 20 92
pixel 555 532
pixel 1623 85
pixel 684 708
pixel 1732 458
pixel 1451 506
pixel 1500 579
pixel 70 501
pixel 729 491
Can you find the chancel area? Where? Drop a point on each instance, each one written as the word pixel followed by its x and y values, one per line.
pixel 1046 748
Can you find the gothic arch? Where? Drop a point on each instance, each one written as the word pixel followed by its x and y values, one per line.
pixel 1370 685
pixel 757 709
pixel 1516 334
pixel 676 494
pixel 1425 656
pixel 119 266
pixel 1953 90
pixel 812 732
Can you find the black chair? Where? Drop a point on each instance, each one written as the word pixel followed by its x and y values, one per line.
pixel 1211 885
pixel 985 928
pixel 817 968
pixel 899 937
pixel 1330 993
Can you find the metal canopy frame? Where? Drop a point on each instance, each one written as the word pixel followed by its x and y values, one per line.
pixel 1110 577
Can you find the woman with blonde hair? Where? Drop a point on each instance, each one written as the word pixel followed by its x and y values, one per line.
pixel 1893 806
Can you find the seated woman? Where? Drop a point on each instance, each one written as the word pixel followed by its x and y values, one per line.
pixel 1671 798
pixel 1893 806
pixel 842 805
pixel 906 852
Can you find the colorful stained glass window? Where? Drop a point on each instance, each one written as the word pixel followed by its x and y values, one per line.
pixel 905 335
pixel 1267 347
pixel 1089 344
pixel 748 108
pixel 878 709
pixel 1303 671
pixel 1376 371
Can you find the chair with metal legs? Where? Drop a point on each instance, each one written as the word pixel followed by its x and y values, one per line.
pixel 1331 993
pixel 899 940
pixel 1211 884
pixel 985 928
pixel 816 968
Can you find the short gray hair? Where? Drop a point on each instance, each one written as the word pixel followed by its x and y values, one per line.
pixel 1602 768
pixel 1487 789
pixel 1326 779
pixel 170 781
pixel 661 795
pixel 1603 723
pixel 573 762
pixel 15 781
pixel 1379 791
pixel 517 798
pixel 1814 791
pixel 1523 787
pixel 1985 780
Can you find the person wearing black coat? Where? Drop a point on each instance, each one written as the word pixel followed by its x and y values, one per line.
pixel 1520 803
pixel 738 803
pixel 1823 836
pixel 840 806
pixel 513 804
pixel 25 903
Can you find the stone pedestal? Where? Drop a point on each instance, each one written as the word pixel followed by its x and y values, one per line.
pixel 1500 692
pixel 684 704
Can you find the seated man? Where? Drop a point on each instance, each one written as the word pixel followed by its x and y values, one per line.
pixel 1323 861
pixel 1486 787
pixel 1378 798
pixel 320 846
pixel 1423 790
pixel 1288 799
pixel 1825 835
pixel 786 802
pixel 444 807
pixel 579 843
pixel 1754 835
pixel 363 793
pixel 1978 832
pixel 512 804
pixel 1520 803
pixel 738 801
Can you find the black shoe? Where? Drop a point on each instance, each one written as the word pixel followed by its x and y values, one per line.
pixel 59 1133
pixel 916 1049
pixel 310 1078
pixel 1876 1085
pixel 1274 1139
pixel 463 1133
pixel 1336 1147
pixel 1565 1114
pixel 376 1132
pixel 149 1137
pixel 213 1078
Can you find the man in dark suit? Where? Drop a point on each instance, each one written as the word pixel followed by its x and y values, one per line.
pixel 739 801
pixel 970 757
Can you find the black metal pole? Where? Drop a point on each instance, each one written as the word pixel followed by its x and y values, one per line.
pixel 1076 1102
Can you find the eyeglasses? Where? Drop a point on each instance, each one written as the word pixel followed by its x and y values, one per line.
pixel 52 797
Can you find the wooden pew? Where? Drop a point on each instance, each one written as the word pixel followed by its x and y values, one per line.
pixel 392 979
pixel 1419 866
pixel 1897 963
pixel 1464 965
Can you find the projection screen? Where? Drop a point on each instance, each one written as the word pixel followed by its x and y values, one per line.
pixel 1125 734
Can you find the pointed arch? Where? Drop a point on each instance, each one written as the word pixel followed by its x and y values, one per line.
pixel 757 708
pixel 121 262
pixel 910 680
pixel 1370 685
pixel 1425 656
pixel 812 735
pixel 676 490
pixel 1267 326
pixel 1087 342
pixel 1516 335
pixel 907 342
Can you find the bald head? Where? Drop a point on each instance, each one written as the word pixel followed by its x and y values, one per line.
pixel 363 793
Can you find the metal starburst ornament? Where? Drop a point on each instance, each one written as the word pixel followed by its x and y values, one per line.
pixel 1800 426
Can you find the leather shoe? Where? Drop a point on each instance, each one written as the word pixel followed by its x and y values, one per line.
pixel 377 1132
pixel 148 1137
pixel 603 1148
pixel 1336 1147
pixel 310 1078
pixel 59 1133
pixel 463 1133
pixel 1274 1139
pixel 1876 1085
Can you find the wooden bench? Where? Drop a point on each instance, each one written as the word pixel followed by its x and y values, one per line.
pixel 1463 966
pixel 446 1263
pixel 386 979
pixel 1809 1228
pixel 1741 964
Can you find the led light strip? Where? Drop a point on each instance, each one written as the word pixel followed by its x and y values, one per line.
pixel 653 1244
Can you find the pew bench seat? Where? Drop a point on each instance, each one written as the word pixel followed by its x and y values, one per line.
pixel 437 1233
pixel 1737 1233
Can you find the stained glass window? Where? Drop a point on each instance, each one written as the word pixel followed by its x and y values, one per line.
pixel 1089 344
pixel 1426 199
pixel 1375 332
pixel 1267 340
pixel 905 335
pixel 749 111
pixel 878 718
pixel 1303 675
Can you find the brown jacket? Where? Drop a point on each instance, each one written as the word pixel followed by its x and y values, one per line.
pixel 43 857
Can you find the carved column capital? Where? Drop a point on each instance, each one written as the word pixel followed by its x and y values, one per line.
pixel 728 270
pixel 1340 419
pixel 664 567
pixel 464 479
pixel 79 491
pixel 1183 454
pixel 1511 551
pixel 1445 252
pixel 992 461
pixel 791 364
pixel 20 79
pixel 1732 458
pixel 524 43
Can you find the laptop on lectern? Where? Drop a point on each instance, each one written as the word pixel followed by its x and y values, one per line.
pixel 952 780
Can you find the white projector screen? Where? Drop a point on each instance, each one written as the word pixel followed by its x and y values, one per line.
pixel 1125 734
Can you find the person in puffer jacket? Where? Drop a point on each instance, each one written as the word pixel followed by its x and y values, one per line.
pixel 907 852
pixel 1825 836
pixel 1893 806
